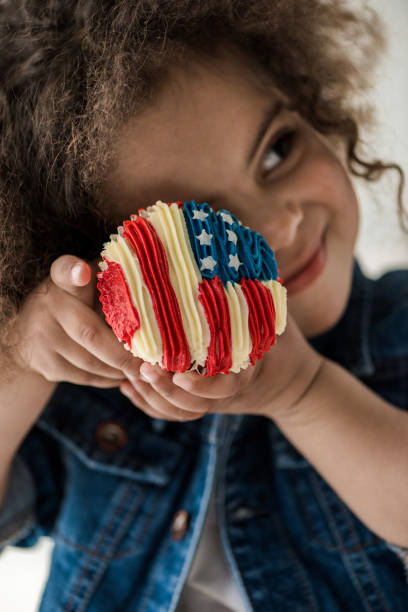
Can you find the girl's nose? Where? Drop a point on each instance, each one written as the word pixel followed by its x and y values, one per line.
pixel 281 223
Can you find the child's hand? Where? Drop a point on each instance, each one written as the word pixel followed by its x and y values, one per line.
pixel 274 385
pixel 62 338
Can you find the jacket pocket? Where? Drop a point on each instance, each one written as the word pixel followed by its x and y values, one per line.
pixel 109 434
pixel 121 477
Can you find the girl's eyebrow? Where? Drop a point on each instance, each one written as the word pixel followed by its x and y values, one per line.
pixel 270 115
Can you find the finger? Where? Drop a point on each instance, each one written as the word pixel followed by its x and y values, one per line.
pixel 74 275
pixel 84 360
pixel 62 370
pixel 89 331
pixel 136 398
pixel 220 386
pixel 158 403
pixel 162 382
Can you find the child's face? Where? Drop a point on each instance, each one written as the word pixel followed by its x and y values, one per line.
pixel 213 136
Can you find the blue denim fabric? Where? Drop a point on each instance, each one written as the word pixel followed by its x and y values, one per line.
pixel 292 544
pixel 16 515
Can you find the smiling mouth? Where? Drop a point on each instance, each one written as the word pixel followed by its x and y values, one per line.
pixel 309 271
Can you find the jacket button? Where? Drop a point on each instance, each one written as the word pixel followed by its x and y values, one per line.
pixel 110 436
pixel 179 524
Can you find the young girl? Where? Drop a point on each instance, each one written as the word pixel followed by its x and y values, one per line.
pixel 278 488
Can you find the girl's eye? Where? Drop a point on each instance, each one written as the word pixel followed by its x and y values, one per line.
pixel 278 150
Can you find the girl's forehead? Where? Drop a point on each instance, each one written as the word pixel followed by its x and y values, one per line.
pixel 230 77
pixel 206 115
pixel 206 90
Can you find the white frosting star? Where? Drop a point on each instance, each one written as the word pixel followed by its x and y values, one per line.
pixel 199 214
pixel 204 238
pixel 234 262
pixel 232 236
pixel 208 263
pixel 227 218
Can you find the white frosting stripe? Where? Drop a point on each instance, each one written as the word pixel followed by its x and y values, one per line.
pixel 169 223
pixel 240 337
pixel 279 299
pixel 146 341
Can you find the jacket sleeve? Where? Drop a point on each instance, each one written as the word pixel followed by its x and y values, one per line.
pixel 389 347
pixel 35 490
pixel 17 511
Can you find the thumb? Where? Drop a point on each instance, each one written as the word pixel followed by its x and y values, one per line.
pixel 74 275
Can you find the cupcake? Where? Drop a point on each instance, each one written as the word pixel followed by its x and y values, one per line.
pixel 190 288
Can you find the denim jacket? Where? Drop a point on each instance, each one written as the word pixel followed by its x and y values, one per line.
pixel 125 496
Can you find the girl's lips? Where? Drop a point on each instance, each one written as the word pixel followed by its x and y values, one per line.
pixel 309 271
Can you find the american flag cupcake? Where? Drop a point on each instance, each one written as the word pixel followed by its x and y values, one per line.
pixel 191 288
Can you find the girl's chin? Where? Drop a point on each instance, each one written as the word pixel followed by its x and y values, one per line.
pixel 319 306
pixel 317 317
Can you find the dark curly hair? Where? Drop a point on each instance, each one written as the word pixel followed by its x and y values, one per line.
pixel 73 71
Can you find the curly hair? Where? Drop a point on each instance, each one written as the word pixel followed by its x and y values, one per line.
pixel 73 71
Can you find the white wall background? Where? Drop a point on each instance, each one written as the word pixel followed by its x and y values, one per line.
pixel 381 246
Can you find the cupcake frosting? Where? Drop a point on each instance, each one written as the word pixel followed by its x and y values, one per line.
pixel 190 288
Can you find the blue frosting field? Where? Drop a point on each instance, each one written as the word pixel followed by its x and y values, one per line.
pixel 233 252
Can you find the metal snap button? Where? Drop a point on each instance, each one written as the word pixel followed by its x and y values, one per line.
pixel 111 436
pixel 179 524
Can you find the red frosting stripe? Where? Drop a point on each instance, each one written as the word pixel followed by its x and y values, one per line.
pixel 117 304
pixel 214 301
pixel 150 252
pixel 261 318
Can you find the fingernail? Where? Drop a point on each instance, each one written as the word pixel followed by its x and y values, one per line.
pixel 124 389
pixel 147 373
pixel 176 381
pixel 76 272
pixel 146 378
pixel 181 379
